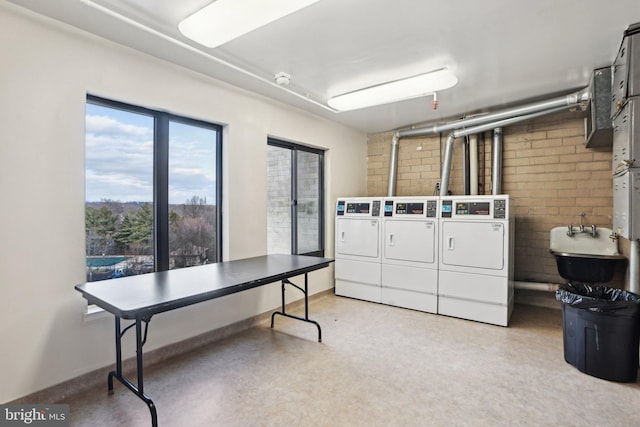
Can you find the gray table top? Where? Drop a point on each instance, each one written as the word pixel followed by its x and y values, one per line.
pixel 147 294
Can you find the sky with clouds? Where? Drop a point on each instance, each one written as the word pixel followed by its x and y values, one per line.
pixel 119 158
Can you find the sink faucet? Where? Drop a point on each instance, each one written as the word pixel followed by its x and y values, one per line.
pixel 593 232
pixel 582 215
pixel 570 232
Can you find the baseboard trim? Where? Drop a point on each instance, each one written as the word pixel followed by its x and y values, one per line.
pixel 83 383
pixel 536 286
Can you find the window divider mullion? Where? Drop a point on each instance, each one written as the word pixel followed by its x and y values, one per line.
pixel 294 201
pixel 161 192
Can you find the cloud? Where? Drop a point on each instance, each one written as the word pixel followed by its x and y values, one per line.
pixel 105 125
pixel 119 159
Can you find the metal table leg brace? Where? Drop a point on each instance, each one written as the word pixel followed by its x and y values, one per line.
pixel 306 305
pixel 117 374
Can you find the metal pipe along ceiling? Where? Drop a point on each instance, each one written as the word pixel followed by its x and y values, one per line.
pixel 480 124
pixel 446 165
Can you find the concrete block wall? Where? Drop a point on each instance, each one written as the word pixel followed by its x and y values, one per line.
pixel 549 174
pixel 279 195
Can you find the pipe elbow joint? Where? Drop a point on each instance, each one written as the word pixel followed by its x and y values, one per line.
pixel 584 95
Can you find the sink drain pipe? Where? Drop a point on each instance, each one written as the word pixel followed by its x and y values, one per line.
pixel 634 266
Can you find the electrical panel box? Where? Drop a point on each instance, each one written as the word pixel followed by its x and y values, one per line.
pixel 626 69
pixel 626 204
pixel 626 138
pixel 597 123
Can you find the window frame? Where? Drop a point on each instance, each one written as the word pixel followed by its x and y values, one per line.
pixel 161 123
pixel 295 148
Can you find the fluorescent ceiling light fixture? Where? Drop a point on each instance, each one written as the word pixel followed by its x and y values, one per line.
pixel 397 90
pixel 225 20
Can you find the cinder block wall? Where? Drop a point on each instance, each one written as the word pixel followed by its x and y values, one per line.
pixel 547 171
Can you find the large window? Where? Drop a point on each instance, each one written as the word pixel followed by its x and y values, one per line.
pixel 295 220
pixel 152 198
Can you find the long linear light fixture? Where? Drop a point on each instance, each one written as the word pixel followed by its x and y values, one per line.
pixel 203 54
pixel 225 20
pixel 394 91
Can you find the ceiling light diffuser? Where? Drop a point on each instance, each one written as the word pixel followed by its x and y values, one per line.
pixel 397 90
pixel 225 20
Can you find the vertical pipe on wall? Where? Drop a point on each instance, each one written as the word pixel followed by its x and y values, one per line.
pixel 393 169
pixel 482 164
pixel 634 266
pixel 464 145
pixel 496 163
pixel 446 164
pixel 473 165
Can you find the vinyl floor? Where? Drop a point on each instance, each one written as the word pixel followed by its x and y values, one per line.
pixel 377 366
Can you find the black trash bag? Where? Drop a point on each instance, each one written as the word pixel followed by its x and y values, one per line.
pixel 599 298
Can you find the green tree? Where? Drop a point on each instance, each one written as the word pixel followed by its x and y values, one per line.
pixel 100 229
pixel 123 235
pixel 135 233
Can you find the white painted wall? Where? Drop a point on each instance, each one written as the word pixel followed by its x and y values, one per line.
pixel 47 69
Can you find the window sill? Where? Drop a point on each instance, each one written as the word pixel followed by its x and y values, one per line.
pixel 94 313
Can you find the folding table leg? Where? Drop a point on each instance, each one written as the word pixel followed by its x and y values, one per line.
pixel 117 374
pixel 305 291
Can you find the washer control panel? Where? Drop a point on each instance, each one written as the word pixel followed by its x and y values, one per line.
pixel 485 207
pixel 425 208
pixel 358 208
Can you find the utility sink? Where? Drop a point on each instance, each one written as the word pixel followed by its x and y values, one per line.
pixel 585 255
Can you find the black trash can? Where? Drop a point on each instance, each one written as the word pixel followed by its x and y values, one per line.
pixel 601 330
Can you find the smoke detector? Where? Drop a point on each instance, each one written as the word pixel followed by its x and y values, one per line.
pixel 283 78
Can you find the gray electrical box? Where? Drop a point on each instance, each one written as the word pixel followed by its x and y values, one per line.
pixel 626 138
pixel 626 204
pixel 598 127
pixel 626 69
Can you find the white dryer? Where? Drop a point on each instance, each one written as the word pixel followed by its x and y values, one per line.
pixel 357 248
pixel 476 258
pixel 410 253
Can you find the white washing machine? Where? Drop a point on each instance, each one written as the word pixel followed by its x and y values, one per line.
pixel 357 248
pixel 476 258
pixel 410 253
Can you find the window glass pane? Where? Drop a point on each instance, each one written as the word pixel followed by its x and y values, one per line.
pixel 279 200
pixel 118 193
pixel 192 195
pixel 308 215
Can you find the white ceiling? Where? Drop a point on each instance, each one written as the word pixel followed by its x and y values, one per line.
pixel 503 51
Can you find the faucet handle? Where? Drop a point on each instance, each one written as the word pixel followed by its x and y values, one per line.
pixel 593 232
pixel 570 232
